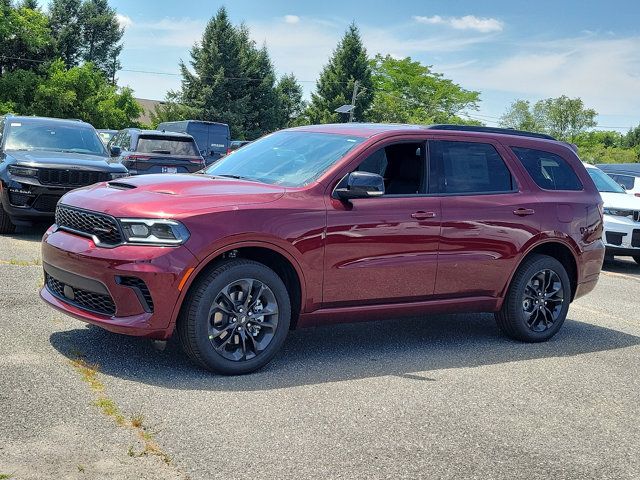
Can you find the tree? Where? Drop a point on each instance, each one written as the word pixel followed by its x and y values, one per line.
pixel 66 27
pixel 520 117
pixel 84 93
pixel 32 4
pixel 290 103
pixel 632 138
pixel 25 38
pixel 230 81
pixel 348 64
pixel 563 117
pixel 101 36
pixel 405 91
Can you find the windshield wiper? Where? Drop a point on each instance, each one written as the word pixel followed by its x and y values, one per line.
pixel 236 177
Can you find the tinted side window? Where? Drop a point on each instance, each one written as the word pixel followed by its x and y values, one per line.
pixel 548 170
pixel 467 167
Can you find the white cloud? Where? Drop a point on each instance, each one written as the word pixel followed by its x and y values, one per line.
pixel 123 20
pixel 468 22
pixel 604 72
pixel 291 19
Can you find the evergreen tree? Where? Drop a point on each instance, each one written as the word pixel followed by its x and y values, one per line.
pixel 291 106
pixel 230 81
pixel 348 64
pixel 64 18
pixel 101 36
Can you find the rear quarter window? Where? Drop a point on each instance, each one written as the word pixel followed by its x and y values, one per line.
pixel 548 170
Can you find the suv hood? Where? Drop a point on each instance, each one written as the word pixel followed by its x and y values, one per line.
pixel 169 196
pixel 621 201
pixel 52 159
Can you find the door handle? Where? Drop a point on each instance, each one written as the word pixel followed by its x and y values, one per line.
pixel 423 215
pixel 523 212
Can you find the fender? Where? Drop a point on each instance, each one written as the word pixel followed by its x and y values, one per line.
pixel 233 245
pixel 536 241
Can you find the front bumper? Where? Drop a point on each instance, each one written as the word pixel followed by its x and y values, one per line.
pixel 621 235
pixel 81 270
pixel 27 202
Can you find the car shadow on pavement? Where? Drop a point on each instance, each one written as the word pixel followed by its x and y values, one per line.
pixel 352 351
pixel 30 234
pixel 622 265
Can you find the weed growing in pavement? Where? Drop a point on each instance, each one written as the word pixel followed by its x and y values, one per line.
pixel 5 476
pixel 22 263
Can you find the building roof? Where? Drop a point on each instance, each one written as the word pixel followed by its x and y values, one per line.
pixel 148 107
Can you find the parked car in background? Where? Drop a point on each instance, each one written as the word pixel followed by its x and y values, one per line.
pixel 626 174
pixel 213 139
pixel 152 151
pixel 106 135
pixel 236 144
pixel 621 216
pixel 332 223
pixel 41 159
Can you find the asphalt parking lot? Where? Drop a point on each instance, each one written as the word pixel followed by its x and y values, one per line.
pixel 437 397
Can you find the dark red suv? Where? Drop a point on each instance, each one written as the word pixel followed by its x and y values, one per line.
pixel 326 224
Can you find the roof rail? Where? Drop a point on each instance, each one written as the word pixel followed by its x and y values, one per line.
pixel 503 131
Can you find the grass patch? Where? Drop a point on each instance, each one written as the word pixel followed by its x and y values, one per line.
pixel 22 263
pixel 110 409
pixel 89 373
pixel 81 468
pixel 5 476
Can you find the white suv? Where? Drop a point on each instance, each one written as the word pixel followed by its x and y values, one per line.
pixel 621 216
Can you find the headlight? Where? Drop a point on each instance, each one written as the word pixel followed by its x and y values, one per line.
pixel 23 171
pixel 154 232
pixel 118 175
pixel 618 213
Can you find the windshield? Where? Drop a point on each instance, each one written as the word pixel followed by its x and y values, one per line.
pixel 286 158
pixel 604 183
pixel 167 145
pixel 53 136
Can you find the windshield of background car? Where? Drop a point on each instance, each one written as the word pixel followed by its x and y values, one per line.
pixel 53 136
pixel 604 183
pixel 288 158
pixel 167 145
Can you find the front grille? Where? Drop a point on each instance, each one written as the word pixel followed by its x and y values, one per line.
pixel 84 299
pixel 138 285
pixel 83 222
pixel 46 203
pixel 70 178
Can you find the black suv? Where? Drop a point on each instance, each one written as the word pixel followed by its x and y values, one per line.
pixel 41 159
pixel 153 151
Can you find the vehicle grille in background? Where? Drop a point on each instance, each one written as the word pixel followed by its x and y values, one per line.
pixel 19 199
pixel 83 222
pixel 614 238
pixel 635 238
pixel 70 178
pixel 84 299
pixel 138 285
pixel 46 203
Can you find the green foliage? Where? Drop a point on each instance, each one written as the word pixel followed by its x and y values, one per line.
pixel 230 81
pixel 66 28
pixel 601 154
pixel 632 138
pixel 563 117
pixel 405 91
pixel 17 90
pixel 101 36
pixel 290 103
pixel 348 64
pixel 25 38
pixel 83 92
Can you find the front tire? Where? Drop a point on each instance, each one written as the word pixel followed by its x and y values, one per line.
pixel 537 301
pixel 236 318
pixel 6 226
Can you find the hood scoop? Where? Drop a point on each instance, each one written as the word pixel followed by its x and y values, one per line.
pixel 121 185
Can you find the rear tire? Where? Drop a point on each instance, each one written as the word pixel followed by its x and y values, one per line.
pixel 537 301
pixel 6 226
pixel 228 324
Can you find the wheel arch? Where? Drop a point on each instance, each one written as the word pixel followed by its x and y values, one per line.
pixel 271 255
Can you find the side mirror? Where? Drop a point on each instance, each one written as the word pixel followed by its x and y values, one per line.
pixel 115 151
pixel 360 185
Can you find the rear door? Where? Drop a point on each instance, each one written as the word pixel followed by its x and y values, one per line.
pixel 487 216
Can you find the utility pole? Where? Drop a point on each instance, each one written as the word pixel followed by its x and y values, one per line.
pixel 353 99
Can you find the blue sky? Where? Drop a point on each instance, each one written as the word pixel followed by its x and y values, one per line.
pixel 504 49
